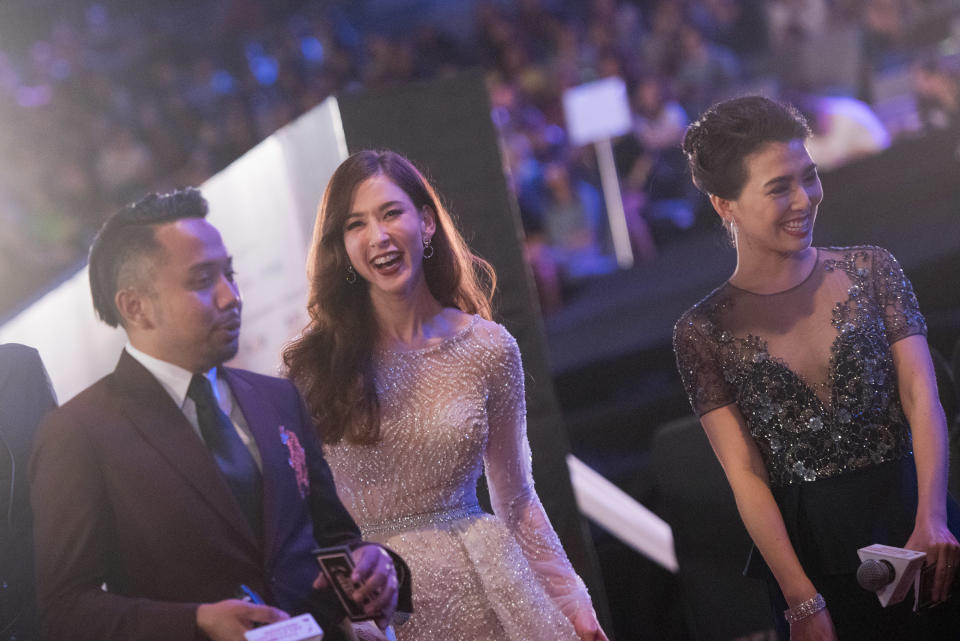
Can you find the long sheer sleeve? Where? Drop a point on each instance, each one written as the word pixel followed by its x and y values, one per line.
pixel 510 479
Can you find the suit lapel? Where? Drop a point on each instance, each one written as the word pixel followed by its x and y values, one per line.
pixel 279 483
pixel 162 424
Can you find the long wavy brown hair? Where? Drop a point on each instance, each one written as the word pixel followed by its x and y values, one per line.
pixel 331 361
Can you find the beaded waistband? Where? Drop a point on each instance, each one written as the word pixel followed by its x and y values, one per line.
pixel 413 521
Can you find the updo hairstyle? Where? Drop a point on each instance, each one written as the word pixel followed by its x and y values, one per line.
pixel 717 144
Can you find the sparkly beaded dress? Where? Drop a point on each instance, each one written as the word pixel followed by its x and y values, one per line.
pixel 812 373
pixel 448 412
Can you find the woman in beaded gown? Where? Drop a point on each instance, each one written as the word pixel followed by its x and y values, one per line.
pixel 811 374
pixel 415 393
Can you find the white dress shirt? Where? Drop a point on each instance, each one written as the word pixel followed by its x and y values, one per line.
pixel 176 381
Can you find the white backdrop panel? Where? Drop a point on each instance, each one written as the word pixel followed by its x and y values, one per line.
pixel 264 205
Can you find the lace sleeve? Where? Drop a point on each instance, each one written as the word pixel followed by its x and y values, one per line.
pixel 508 469
pixel 700 370
pixel 901 312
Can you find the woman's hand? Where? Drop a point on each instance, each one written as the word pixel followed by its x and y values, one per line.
pixel 586 625
pixel 942 550
pixel 816 627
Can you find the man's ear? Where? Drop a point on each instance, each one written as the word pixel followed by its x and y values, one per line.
pixel 135 308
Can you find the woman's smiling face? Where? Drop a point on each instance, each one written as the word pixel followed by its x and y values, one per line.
pixel 777 207
pixel 384 235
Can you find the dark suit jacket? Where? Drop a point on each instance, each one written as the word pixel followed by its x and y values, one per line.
pixel 25 396
pixel 126 494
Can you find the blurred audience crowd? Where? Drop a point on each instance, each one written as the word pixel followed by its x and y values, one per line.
pixel 109 102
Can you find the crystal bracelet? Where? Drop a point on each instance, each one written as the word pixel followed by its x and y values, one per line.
pixel 806 609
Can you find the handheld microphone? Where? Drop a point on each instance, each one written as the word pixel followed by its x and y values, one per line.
pixel 875 574
pixel 889 571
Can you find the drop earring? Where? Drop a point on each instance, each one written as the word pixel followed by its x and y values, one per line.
pixel 351 275
pixel 427 249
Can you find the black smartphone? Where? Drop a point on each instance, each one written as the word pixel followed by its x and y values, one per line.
pixel 336 563
pixel 925 596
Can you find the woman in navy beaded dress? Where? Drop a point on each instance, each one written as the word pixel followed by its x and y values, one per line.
pixel 810 372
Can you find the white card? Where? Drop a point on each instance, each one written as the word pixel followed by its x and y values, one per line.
pixel 300 628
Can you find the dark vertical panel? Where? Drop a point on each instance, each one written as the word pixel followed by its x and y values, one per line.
pixel 444 127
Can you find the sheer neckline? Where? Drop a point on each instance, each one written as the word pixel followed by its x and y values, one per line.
pixel 446 340
pixel 804 281
pixel 811 371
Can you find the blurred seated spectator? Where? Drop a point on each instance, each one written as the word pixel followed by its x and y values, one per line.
pixel 739 25
pixel 652 166
pixel 525 178
pixel 546 272
pixel 659 49
pixel 125 165
pixel 636 202
pixel 706 70
pixel 885 26
pixel 621 21
pixel 936 92
pixel 844 129
pixel 574 224
pixel 658 120
pixel 793 22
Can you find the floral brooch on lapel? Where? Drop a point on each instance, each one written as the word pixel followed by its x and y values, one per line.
pixel 297 460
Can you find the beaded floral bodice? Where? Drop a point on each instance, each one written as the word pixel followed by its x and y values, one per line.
pixel 810 369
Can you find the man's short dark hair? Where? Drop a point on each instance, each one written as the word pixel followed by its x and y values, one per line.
pixel 120 252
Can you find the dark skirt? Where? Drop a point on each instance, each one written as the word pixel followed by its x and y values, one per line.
pixel 828 520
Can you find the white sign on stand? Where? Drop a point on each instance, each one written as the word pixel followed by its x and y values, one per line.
pixel 595 112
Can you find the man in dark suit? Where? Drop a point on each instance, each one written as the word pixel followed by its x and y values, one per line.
pixel 168 487
pixel 25 396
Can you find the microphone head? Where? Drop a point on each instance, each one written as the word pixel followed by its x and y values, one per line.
pixel 875 574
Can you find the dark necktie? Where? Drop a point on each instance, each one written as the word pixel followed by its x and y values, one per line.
pixel 232 456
